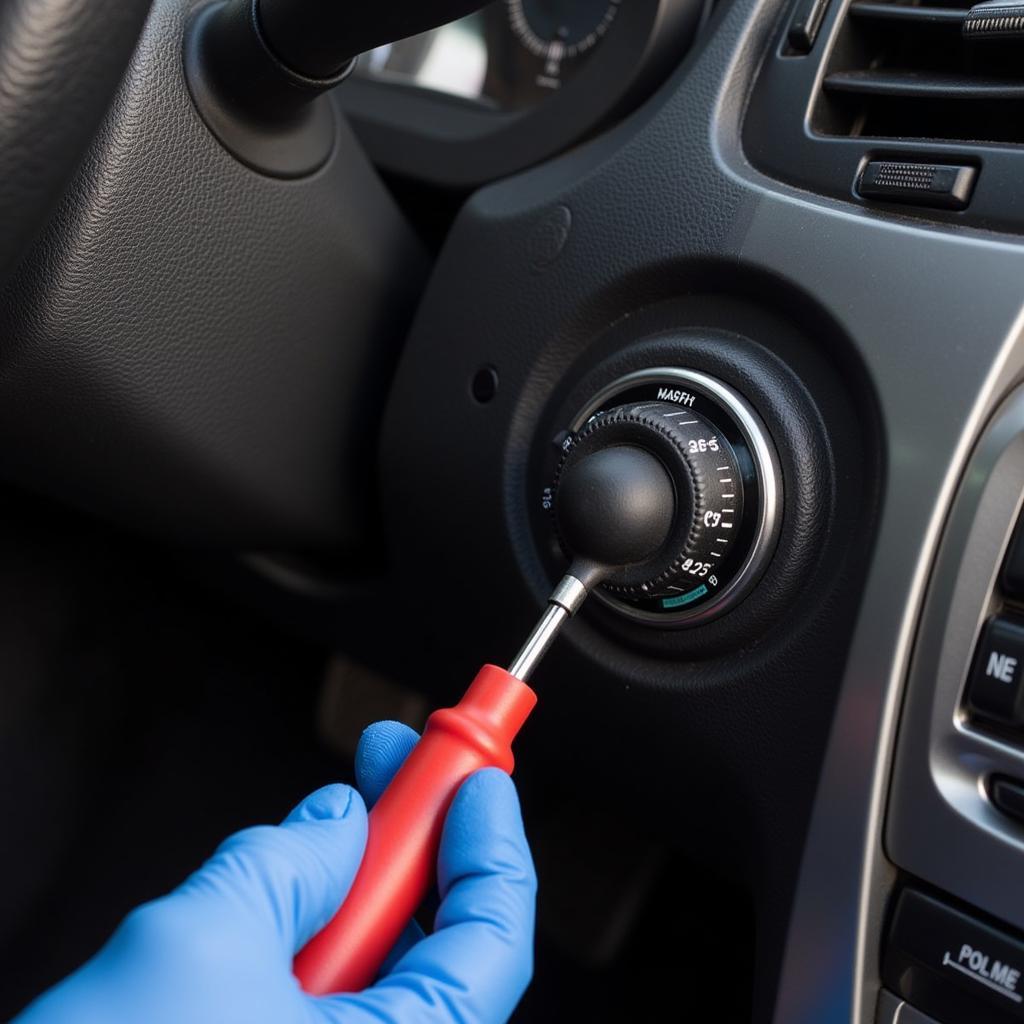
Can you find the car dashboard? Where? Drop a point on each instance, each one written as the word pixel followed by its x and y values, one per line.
pixel 776 244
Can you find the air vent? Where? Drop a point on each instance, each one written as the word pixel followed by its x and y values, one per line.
pixel 902 70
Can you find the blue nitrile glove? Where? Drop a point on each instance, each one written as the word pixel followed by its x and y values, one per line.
pixel 219 949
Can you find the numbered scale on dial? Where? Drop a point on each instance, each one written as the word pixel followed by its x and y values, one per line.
pixel 727 489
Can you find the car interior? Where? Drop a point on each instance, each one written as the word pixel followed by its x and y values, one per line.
pixel 334 335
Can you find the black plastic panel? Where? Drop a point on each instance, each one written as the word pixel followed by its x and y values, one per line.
pixel 619 699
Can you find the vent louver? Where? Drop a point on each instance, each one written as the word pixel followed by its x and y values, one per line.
pixel 905 70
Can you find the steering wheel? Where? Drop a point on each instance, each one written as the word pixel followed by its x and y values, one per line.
pixel 197 345
pixel 60 62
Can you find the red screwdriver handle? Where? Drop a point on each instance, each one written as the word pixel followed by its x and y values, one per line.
pixel 400 861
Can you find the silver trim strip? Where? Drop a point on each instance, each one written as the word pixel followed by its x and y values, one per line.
pixel 889 1007
pixel 893 1010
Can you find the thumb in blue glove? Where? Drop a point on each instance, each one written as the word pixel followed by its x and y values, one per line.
pixel 219 949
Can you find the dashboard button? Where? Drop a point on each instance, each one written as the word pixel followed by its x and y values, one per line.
pixel 1008 796
pixel 951 965
pixel 1013 567
pixel 946 186
pixel 995 689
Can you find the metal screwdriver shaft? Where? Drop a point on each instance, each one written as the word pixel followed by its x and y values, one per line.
pixel 563 604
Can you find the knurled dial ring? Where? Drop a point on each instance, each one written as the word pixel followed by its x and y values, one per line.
pixel 707 480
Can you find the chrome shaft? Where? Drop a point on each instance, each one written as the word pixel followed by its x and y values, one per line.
pixel 562 605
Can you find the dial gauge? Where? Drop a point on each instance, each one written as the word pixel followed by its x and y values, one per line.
pixel 556 31
pixel 718 454
pixel 561 29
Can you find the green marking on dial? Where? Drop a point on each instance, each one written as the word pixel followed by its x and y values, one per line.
pixel 687 598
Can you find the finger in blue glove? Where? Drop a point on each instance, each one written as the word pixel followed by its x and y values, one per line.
pixel 219 948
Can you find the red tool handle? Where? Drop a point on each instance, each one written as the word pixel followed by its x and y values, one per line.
pixel 405 831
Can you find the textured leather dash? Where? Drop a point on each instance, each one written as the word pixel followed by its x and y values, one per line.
pixel 60 62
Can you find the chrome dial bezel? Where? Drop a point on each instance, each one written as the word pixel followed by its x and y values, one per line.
pixel 768 509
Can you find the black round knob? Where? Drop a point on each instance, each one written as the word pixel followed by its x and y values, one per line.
pixel 653 493
pixel 616 506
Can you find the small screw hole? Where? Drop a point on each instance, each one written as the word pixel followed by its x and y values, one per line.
pixel 485 384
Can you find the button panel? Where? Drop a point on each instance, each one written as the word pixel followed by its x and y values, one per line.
pixel 994 696
pixel 995 690
pixel 953 965
pixel 959 732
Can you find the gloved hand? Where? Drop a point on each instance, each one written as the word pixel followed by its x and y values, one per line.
pixel 219 949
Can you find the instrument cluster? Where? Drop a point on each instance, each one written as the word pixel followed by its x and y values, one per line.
pixel 512 84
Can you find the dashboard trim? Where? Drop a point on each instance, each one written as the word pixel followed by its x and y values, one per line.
pixel 943 759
